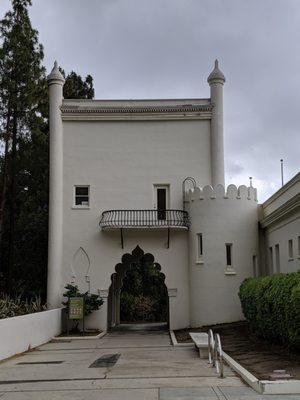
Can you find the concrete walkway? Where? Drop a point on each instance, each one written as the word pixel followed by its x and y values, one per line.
pixel 148 368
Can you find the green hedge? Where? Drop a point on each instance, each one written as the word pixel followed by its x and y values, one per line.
pixel 271 305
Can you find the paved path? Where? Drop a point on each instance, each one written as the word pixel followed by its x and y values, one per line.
pixel 148 368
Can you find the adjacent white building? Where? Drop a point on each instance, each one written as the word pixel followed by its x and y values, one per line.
pixel 146 177
pixel 280 229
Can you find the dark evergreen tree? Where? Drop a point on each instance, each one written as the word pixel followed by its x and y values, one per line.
pixel 24 162
pixel 77 88
pixel 21 87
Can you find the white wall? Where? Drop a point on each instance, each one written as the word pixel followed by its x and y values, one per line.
pixel 19 334
pixel 280 234
pixel 230 218
pixel 280 222
pixel 121 161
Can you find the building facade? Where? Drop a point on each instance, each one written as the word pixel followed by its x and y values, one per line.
pixel 145 178
pixel 280 229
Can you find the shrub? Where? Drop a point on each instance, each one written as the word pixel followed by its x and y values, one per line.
pixel 271 305
pixel 12 307
pixel 92 302
pixel 127 307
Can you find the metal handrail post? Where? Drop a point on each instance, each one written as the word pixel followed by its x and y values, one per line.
pixel 219 356
pixel 211 345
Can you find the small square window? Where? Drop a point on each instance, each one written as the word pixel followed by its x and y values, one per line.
pixel 82 196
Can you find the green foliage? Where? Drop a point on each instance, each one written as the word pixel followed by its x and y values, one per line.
pixel 127 307
pixel 12 307
pixel 92 301
pixel 77 88
pixel 144 294
pixel 22 91
pixel 272 307
pixel 24 158
pixel 21 71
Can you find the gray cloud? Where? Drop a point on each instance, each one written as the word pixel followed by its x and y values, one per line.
pixel 166 48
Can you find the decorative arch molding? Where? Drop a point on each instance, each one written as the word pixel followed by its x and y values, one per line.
pixel 86 263
pixel 129 260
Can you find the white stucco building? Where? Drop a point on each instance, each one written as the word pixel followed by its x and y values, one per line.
pixel 118 190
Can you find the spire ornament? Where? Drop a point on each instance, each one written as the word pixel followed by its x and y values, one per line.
pixel 216 75
pixel 55 74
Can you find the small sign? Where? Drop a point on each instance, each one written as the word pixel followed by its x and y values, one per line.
pixel 76 308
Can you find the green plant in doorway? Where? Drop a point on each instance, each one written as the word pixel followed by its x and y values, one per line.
pixel 144 296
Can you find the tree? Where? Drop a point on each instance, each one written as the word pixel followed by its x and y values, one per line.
pixel 77 88
pixel 24 162
pixel 21 79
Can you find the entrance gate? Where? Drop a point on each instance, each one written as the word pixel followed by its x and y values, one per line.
pixel 142 264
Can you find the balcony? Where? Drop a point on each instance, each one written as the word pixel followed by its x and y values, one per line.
pixel 118 219
pixel 144 219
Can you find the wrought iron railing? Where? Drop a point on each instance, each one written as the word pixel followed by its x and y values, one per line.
pixel 144 219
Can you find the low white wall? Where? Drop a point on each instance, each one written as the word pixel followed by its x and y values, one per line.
pixel 18 334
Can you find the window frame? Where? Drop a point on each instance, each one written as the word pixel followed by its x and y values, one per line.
pixel 291 249
pixel 277 258
pixel 165 186
pixel 229 269
pixel 199 248
pixel 81 206
pixel 271 259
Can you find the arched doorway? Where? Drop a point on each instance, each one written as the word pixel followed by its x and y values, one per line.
pixel 138 292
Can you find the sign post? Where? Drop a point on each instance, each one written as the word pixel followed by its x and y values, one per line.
pixel 76 311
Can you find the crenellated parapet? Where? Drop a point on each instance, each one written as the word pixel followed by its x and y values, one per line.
pixel 220 192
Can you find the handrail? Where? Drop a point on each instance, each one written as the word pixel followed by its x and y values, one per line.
pixel 144 219
pixel 215 352
pixel 218 356
pixel 211 346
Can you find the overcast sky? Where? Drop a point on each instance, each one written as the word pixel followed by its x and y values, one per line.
pixel 166 49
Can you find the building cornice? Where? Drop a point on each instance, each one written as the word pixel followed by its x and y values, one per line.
pixel 185 111
pixel 282 190
pixel 282 212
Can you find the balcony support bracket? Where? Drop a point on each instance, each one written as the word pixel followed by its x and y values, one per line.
pixel 122 238
pixel 168 242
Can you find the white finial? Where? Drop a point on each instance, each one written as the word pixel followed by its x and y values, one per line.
pixel 216 74
pixel 250 179
pixel 55 74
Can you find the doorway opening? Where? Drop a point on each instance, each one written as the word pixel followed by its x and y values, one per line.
pixel 162 200
pixel 138 294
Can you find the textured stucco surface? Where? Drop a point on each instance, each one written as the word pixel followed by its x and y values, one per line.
pixel 121 161
pixel 25 332
pixel 230 218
